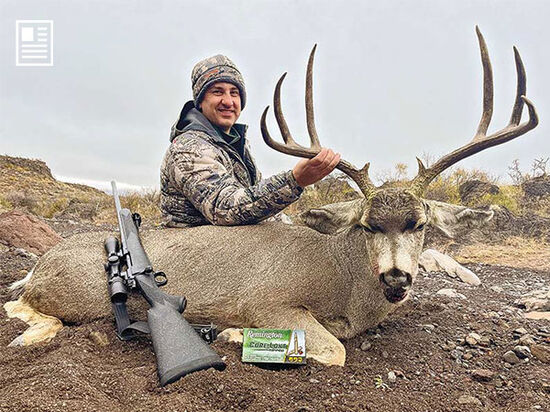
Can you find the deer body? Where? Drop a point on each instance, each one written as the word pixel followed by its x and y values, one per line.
pixel 247 276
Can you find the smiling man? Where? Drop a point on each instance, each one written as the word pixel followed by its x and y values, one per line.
pixel 208 174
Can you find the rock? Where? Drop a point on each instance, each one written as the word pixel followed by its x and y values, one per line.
pixel 451 293
pixel 536 300
pixel 22 252
pixel 427 261
pixel 473 190
pixel 511 357
pixel 497 289
pixel 99 338
pixel 483 375
pixel 473 339
pixel 537 187
pixel 520 332
pixel 366 345
pixel 546 387
pixel 448 346
pixel 537 315
pixel 313 380
pixel 19 230
pixel 522 351
pixel 468 356
pixel 455 354
pixel 392 377
pixel 541 352
pixel 432 261
pixel 526 340
pixel 469 400
pixel 428 328
pixel 467 276
pixel 385 355
pixel 485 341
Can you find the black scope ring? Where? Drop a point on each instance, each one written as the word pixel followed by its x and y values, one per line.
pixel 160 279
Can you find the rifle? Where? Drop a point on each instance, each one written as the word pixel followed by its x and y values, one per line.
pixel 177 345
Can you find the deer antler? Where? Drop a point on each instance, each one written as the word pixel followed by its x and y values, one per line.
pixel 481 141
pixel 290 147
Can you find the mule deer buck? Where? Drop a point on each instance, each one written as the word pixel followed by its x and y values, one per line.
pixel 338 273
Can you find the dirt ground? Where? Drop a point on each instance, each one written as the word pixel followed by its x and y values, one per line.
pixel 422 344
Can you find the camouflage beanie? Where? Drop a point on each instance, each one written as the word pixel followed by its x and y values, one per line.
pixel 215 69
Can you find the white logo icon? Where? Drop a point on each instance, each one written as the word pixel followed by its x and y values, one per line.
pixel 34 43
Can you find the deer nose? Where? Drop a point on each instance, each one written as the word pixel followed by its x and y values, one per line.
pixel 396 278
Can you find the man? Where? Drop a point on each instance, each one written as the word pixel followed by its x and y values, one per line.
pixel 208 174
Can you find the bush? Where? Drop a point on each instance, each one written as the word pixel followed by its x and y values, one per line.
pixel 509 197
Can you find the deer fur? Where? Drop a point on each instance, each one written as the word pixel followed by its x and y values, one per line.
pixel 322 276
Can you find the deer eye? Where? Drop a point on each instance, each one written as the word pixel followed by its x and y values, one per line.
pixel 410 225
pixel 373 229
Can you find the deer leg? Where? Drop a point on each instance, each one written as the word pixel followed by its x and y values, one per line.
pixel 321 345
pixel 42 328
pixel 234 335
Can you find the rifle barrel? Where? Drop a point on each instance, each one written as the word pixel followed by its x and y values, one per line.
pixel 123 240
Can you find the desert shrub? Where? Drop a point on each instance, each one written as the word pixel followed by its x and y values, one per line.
pixel 5 203
pixel 538 169
pixel 399 174
pixel 509 197
pixel 145 202
pixel 445 186
pixel 52 208
pixel 23 199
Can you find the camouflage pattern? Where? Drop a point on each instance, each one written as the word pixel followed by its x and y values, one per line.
pixel 216 69
pixel 205 181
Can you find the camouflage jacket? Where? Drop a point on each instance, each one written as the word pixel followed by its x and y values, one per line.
pixel 204 180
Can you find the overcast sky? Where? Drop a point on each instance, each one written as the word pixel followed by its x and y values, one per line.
pixel 393 79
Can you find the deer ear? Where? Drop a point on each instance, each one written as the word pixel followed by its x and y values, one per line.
pixel 333 218
pixel 451 218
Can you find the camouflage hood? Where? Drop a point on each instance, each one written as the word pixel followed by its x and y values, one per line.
pixel 192 119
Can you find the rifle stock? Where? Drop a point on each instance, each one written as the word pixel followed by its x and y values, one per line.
pixel 178 348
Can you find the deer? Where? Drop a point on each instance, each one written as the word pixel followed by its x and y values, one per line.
pixel 337 271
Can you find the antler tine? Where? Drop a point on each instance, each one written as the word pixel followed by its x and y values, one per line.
pixel 520 91
pixel 283 127
pixel 487 87
pixel 292 148
pixel 481 141
pixel 310 118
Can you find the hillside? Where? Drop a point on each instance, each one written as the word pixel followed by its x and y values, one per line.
pixel 28 184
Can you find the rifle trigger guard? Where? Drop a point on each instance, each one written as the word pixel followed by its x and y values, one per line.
pixel 160 279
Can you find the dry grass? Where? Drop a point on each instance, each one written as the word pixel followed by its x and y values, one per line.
pixel 146 203
pixel 514 251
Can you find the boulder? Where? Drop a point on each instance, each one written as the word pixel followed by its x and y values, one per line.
pixel 537 187
pixel 433 261
pixel 20 230
pixel 472 190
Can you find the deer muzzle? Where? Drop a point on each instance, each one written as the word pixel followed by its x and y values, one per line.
pixel 396 284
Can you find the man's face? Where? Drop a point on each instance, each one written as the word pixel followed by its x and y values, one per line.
pixel 222 105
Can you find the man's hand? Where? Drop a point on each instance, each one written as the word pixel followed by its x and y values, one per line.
pixel 309 171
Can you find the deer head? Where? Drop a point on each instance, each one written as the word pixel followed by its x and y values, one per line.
pixel 393 219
